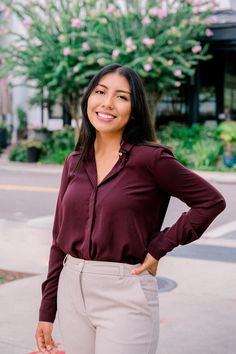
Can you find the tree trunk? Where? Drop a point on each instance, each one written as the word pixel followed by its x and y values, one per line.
pixel 72 104
pixel 153 97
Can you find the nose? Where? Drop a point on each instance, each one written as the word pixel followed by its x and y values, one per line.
pixel 108 102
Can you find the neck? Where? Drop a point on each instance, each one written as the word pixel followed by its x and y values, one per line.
pixel 105 143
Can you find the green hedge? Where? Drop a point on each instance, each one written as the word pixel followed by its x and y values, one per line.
pixel 198 147
pixel 54 149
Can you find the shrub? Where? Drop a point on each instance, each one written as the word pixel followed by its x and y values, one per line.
pixel 198 146
pixel 61 144
pixel 18 153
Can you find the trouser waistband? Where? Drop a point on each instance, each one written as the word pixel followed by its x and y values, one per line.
pixel 101 267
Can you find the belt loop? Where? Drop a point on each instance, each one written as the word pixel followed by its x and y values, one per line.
pixel 122 270
pixel 65 259
pixel 81 265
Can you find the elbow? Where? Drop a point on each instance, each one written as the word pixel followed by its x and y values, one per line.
pixel 220 205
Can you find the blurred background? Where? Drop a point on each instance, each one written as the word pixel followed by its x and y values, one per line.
pixel 185 54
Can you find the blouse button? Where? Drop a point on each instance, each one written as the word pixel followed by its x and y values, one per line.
pixel 120 153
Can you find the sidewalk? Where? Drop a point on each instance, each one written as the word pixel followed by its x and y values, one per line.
pixel 198 316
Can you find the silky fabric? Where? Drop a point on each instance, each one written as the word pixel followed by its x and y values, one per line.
pixel 103 309
pixel 120 219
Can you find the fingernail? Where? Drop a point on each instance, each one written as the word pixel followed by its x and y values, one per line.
pixel 49 347
pixel 133 272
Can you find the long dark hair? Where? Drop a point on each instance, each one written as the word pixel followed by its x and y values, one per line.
pixel 138 130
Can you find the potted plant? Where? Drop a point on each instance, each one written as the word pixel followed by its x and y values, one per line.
pixel 3 135
pixel 227 133
pixel 33 149
pixel 40 134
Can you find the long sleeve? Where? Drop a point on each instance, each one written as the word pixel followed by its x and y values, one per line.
pixel 204 200
pixel 48 306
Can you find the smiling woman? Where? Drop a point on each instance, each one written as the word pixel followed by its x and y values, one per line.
pixel 107 237
pixel 110 102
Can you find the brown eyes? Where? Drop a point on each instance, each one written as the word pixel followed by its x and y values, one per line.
pixel 100 92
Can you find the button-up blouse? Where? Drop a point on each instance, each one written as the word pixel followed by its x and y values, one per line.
pixel 120 219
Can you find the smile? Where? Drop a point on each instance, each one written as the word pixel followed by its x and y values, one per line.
pixel 105 117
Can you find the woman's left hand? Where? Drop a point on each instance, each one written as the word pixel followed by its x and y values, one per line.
pixel 150 264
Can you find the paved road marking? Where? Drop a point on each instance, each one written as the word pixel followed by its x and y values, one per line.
pixel 16 187
pixel 221 230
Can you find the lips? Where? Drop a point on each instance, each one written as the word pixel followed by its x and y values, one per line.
pixel 105 117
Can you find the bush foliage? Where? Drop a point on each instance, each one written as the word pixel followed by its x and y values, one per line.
pixel 198 147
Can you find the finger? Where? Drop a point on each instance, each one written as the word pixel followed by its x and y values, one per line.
pixel 138 270
pixel 40 342
pixel 44 342
pixel 48 341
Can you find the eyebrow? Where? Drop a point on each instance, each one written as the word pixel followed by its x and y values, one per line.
pixel 116 90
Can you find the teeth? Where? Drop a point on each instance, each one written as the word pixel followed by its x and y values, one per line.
pixel 105 116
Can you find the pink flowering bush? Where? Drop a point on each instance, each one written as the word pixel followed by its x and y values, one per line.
pixel 53 54
pixel 63 46
pixel 167 34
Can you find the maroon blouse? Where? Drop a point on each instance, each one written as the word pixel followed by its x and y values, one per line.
pixel 120 219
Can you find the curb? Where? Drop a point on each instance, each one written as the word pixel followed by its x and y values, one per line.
pixel 218 177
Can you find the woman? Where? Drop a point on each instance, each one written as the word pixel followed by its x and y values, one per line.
pixel 107 242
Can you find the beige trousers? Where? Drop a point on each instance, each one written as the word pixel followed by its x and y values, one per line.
pixel 103 309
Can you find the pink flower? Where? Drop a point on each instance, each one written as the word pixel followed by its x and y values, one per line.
pixel 163 13
pixel 27 23
pixel 195 2
pixel 76 23
pixel 196 10
pixel 148 41
pixel 115 53
pixel 130 46
pixel 62 38
pixel 178 72
pixel 85 46
pixel 211 19
pixel 23 78
pixel 2 7
pixel 128 42
pixel 170 62
pixel 196 49
pixel 147 67
pixel 209 32
pixel 67 51
pixel 101 61
pixel 156 11
pixel 75 69
pixel 177 83
pixel 146 20
pixel 103 21
pixel 111 8
pixel 7 12
pixel 214 2
pixel 93 12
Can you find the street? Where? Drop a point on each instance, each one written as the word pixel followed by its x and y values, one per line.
pixel 197 316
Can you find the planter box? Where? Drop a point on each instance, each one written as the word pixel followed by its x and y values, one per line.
pixel 33 154
pixel 3 138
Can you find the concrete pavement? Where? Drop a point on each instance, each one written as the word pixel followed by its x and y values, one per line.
pixel 198 316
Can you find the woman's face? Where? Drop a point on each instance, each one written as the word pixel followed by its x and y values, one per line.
pixel 109 105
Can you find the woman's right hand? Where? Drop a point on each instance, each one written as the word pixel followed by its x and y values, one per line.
pixel 43 335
